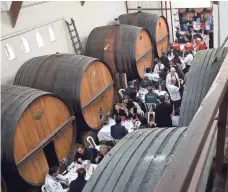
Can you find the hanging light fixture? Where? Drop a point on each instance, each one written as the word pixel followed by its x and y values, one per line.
pixel 117 21
pixel 139 9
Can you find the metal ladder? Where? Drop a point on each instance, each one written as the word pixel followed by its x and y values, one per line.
pixel 75 37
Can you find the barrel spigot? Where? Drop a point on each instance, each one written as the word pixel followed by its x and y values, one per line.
pixel 139 9
pixel 117 21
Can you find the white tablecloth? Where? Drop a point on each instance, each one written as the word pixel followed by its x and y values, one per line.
pixel 72 175
pixel 105 133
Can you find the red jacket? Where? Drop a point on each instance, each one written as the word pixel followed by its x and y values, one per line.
pixel 176 46
pixel 189 47
pixel 201 46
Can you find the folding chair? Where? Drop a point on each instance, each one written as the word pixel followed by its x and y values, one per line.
pixel 150 108
pixel 43 189
pixel 121 93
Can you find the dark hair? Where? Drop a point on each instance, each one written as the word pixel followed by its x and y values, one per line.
pixel 79 146
pixel 148 69
pixel 177 112
pixel 118 119
pixel 162 98
pixel 53 170
pixel 81 173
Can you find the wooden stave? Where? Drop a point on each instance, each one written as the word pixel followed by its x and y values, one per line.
pixel 9 168
pixel 127 64
pixel 32 69
pixel 117 171
pixel 182 10
pixel 190 105
pixel 198 10
pixel 147 21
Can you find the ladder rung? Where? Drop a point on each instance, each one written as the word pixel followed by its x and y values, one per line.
pixel 71 31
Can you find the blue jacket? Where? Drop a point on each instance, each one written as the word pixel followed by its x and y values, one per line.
pixel 118 131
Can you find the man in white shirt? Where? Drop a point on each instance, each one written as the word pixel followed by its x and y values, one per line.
pixel 172 74
pixel 151 76
pixel 52 183
pixel 188 60
pixel 158 67
pixel 174 93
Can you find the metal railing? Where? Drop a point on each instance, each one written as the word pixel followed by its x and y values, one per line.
pixel 188 163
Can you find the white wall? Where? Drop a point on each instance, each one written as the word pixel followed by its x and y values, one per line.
pixel 38 16
pixel 191 4
pixel 223 11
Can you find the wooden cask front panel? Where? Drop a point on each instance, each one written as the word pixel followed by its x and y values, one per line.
pixel 143 44
pixel 96 95
pixel 31 131
pixel 162 36
pixel 109 47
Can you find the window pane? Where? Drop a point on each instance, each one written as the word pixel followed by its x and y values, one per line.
pixel 39 40
pixel 25 45
pixel 51 34
pixel 9 51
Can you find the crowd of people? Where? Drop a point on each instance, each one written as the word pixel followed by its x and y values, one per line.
pixel 55 182
pixel 162 87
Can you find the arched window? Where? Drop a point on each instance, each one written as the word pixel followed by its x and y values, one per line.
pixel 25 45
pixel 39 40
pixel 9 51
pixel 51 34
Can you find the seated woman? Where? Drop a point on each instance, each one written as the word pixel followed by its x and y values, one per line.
pixel 118 112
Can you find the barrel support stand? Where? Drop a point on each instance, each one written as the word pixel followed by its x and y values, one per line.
pixel 219 182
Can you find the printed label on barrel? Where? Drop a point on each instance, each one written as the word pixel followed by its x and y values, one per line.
pixel 92 73
pixel 38 115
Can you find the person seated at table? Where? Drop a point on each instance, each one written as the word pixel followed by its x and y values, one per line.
pixel 149 74
pixel 78 184
pixel 163 113
pixel 201 46
pixel 145 83
pixel 164 59
pixel 176 60
pixel 175 118
pixel 159 67
pixel 130 91
pixel 118 131
pixel 182 40
pixel 189 46
pixel 119 112
pixel 103 150
pixel 176 47
pixel 151 97
pixel 83 154
pixel 133 113
pixel 143 122
pixel 128 103
pixel 53 182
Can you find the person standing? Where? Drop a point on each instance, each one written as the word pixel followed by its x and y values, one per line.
pixel 163 113
pixel 187 60
pixel 171 75
pixel 159 67
pixel 118 131
pixel 78 184
pixel 174 93
pixel 164 60
pixel 130 91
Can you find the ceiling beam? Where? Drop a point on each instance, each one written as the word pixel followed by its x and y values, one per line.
pixel 14 12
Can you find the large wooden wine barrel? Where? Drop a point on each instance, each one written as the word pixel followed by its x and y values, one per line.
pixel 198 10
pixel 3 185
pixel 188 16
pixel 137 161
pixel 201 75
pixel 37 132
pixel 156 26
pixel 181 10
pixel 127 49
pixel 84 83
